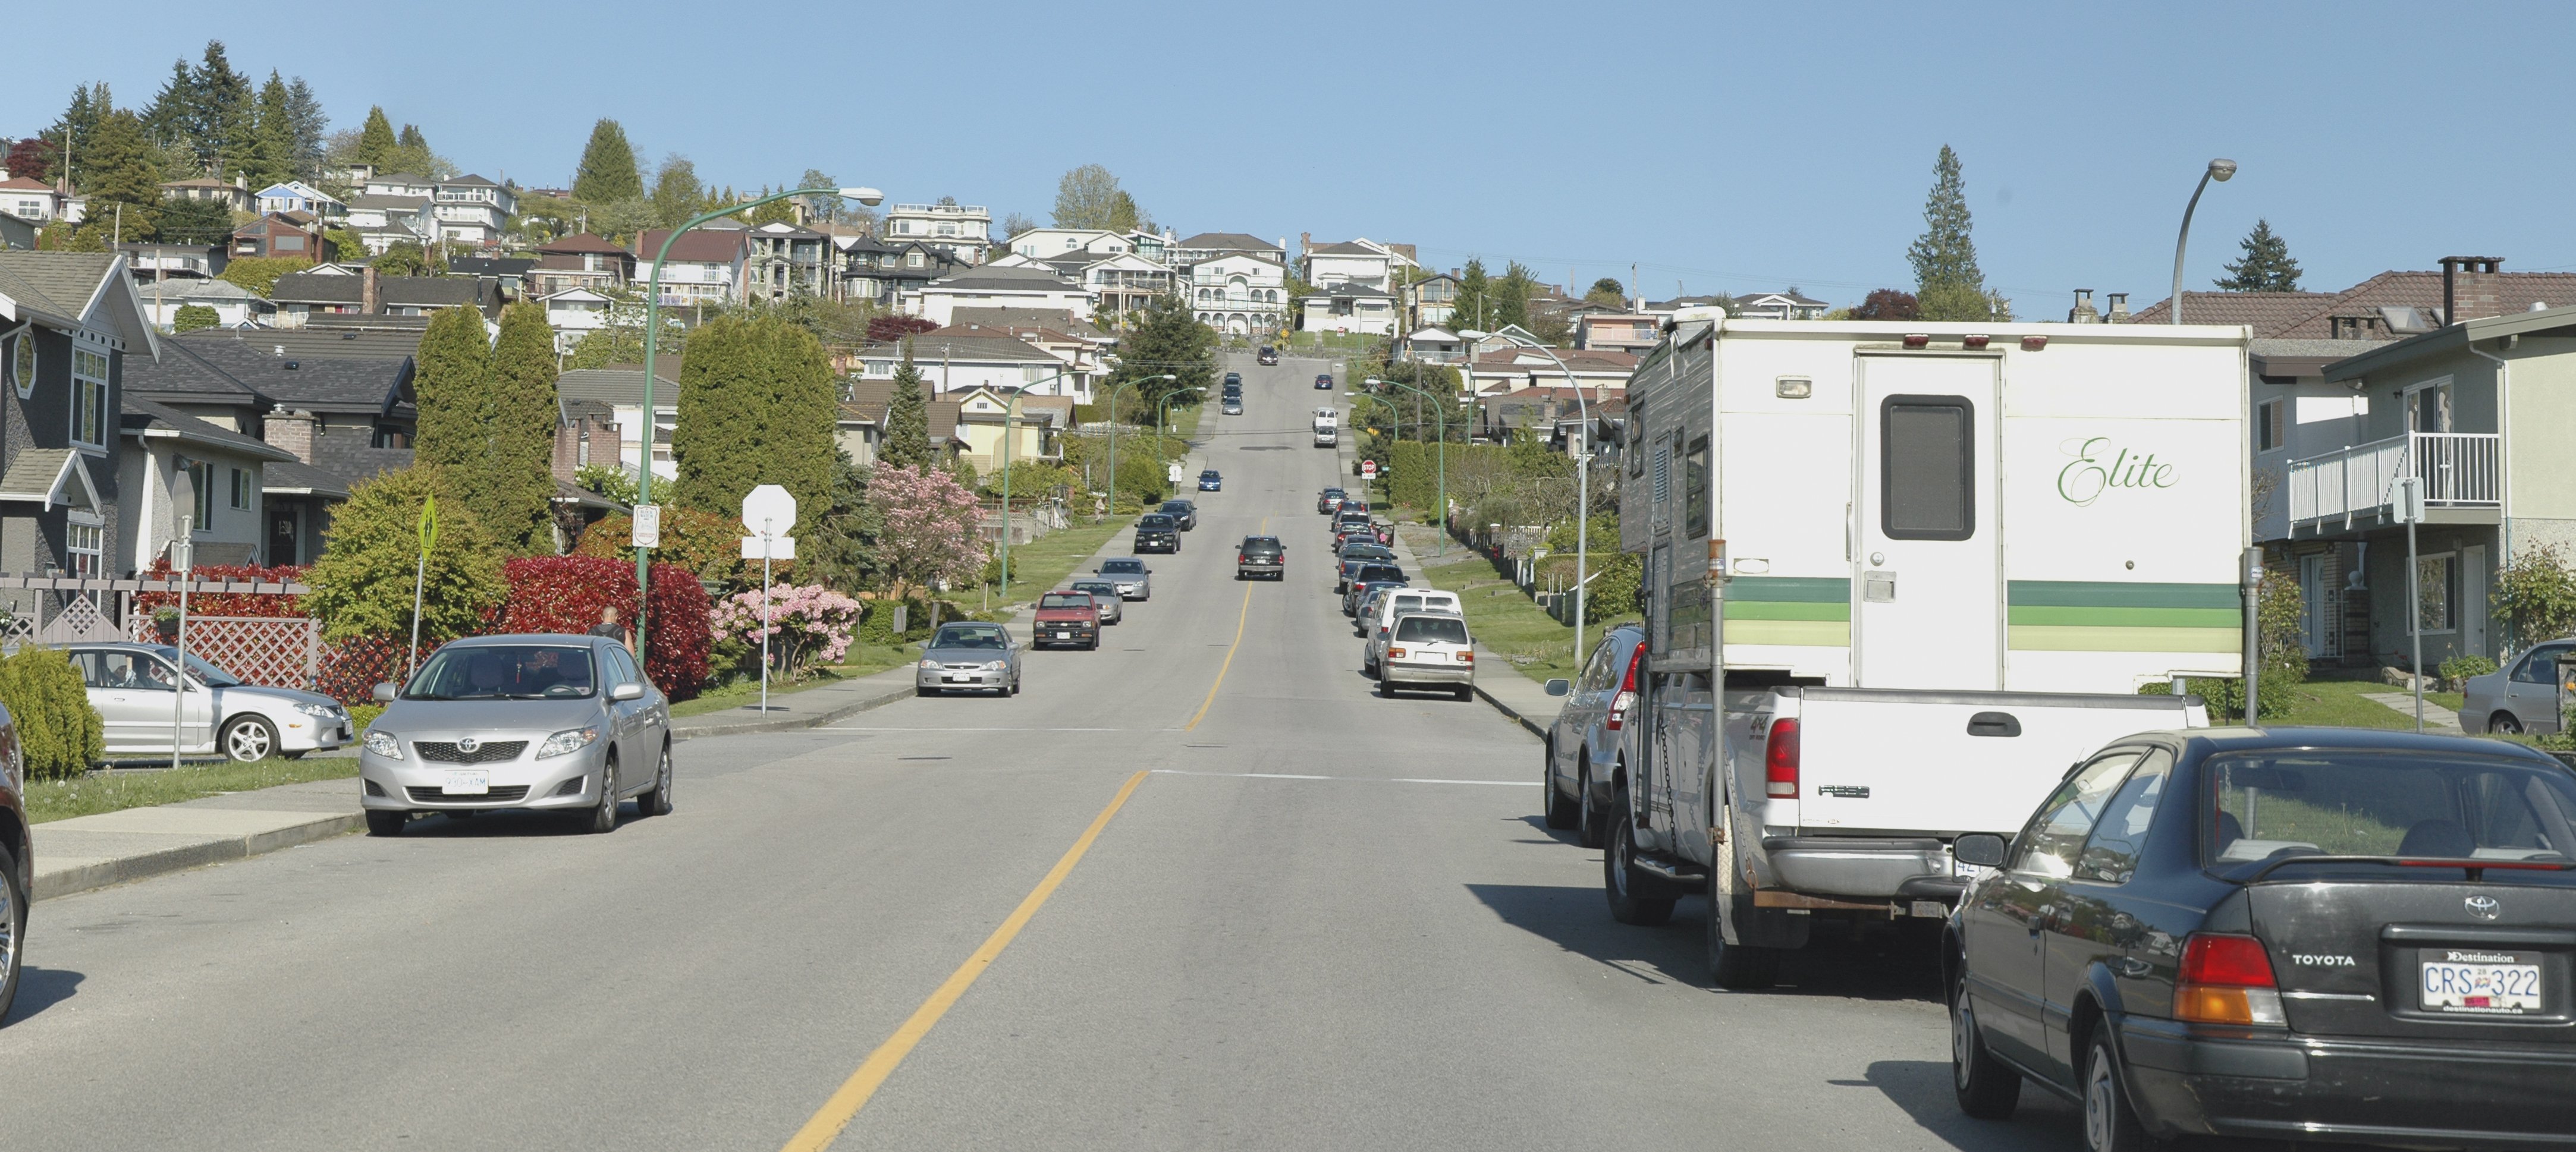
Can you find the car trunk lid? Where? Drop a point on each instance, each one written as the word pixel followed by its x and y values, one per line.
pixel 2414 951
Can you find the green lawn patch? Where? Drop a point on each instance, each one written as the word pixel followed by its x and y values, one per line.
pixel 1503 619
pixel 1047 562
pixel 115 789
pixel 2339 703
pixel 860 660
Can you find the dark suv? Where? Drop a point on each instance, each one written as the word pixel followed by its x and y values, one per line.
pixel 17 860
pixel 1156 532
pixel 1261 556
pixel 1269 355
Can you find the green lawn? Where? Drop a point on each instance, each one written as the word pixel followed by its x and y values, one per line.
pixel 1507 622
pixel 860 660
pixel 2339 703
pixel 137 788
pixel 1050 560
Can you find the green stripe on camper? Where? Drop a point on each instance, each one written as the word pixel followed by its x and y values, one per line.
pixel 1812 611
pixel 2120 594
pixel 2127 617
pixel 1790 589
pixel 1818 633
pixel 1778 610
pixel 2055 638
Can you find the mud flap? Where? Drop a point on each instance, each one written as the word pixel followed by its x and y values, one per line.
pixel 1731 901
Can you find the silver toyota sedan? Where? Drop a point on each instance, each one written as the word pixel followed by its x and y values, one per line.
pixel 566 723
pixel 969 656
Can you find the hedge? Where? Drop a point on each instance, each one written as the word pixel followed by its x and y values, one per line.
pixel 58 731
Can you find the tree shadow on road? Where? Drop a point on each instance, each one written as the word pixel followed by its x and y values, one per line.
pixel 42 988
pixel 1877 966
pixel 1922 1089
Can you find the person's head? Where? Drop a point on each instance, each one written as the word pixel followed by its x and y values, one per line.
pixel 608 615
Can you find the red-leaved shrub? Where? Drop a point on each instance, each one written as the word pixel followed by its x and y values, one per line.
pixel 566 593
pixel 226 603
pixel 678 636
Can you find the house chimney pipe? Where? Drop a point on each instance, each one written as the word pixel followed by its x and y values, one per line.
pixel 367 301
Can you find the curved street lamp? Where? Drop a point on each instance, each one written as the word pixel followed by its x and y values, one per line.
pixel 1583 470
pixel 2221 171
pixel 1442 512
pixel 653 340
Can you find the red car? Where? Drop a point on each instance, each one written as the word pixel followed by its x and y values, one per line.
pixel 1067 619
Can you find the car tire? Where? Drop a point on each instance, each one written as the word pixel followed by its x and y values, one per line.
pixel 2110 1118
pixel 1463 695
pixel 381 822
pixel 1587 825
pixel 1094 646
pixel 1620 883
pixel 921 691
pixel 1562 811
pixel 603 815
pixel 2505 724
pixel 1735 967
pixel 657 802
pixel 13 928
pixel 1015 687
pixel 1988 1088
pixel 249 739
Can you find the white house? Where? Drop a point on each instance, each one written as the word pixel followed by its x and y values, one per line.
pixel 1360 261
pixel 1351 308
pixel 622 390
pixel 1001 288
pixel 1125 282
pixel 1789 305
pixel 1240 293
pixel 1513 368
pixel 383 220
pixel 473 209
pixel 298 196
pixel 1433 344
pixel 1210 245
pixel 708 264
pixel 963 231
pixel 400 184
pixel 574 313
pixel 1049 243
pixel 29 199
pixel 954 363
pixel 234 306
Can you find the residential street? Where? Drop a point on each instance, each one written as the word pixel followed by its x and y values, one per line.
pixel 1325 920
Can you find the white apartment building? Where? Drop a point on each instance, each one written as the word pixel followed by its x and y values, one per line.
pixel 473 209
pixel 963 231
pixel 1240 294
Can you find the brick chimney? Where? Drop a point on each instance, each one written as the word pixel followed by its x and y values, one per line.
pixel 2119 313
pixel 369 301
pixel 2083 312
pixel 2470 296
pixel 290 430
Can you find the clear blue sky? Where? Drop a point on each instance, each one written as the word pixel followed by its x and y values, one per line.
pixel 1726 147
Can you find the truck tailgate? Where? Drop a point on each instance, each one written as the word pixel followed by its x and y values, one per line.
pixel 1888 760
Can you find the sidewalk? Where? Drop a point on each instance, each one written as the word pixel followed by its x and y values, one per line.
pixel 86 852
pixel 803 708
pixel 1517 697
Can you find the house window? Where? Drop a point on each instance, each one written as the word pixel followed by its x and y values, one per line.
pixel 240 488
pixel 913 260
pixel 2268 433
pixel 2436 592
pixel 201 477
pixel 89 397
pixel 84 545
pixel 2428 406
pixel 290 243
pixel 18 361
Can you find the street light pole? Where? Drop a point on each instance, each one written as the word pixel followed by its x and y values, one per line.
pixel 653 342
pixel 1583 474
pixel 2219 170
pixel 1441 549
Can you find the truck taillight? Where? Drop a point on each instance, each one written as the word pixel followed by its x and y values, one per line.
pixel 2227 979
pixel 1780 761
pixel 1627 697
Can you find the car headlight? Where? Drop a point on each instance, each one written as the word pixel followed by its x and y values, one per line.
pixel 319 711
pixel 998 666
pixel 567 742
pixel 929 665
pixel 383 744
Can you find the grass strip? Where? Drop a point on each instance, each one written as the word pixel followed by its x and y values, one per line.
pixel 114 789
pixel 1499 615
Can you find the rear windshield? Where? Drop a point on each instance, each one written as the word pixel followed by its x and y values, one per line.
pixel 1261 546
pixel 2306 802
pixel 1155 520
pixel 1421 628
pixel 1101 586
pixel 1381 572
pixel 1125 567
pixel 504 672
pixel 1064 600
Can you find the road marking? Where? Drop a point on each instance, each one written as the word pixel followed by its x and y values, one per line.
pixel 1355 779
pixel 1221 669
pixel 845 1102
pixel 858 729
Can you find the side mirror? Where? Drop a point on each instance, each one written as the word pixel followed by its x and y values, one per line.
pixel 1559 686
pixel 629 690
pixel 1983 849
pixel 384 692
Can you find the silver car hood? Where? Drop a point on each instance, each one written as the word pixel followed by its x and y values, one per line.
pixel 438 719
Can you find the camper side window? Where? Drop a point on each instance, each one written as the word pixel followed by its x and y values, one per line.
pixel 1928 468
pixel 1695 489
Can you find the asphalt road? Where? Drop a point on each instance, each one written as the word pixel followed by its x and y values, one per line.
pixel 1322 920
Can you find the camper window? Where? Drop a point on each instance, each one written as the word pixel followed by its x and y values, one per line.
pixel 1695 489
pixel 1928 468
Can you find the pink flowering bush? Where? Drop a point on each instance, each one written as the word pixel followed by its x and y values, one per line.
pixel 932 526
pixel 806 622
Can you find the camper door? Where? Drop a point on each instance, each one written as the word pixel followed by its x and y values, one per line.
pixel 1928 567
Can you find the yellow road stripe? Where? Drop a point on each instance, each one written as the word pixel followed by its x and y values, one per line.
pixel 1210 702
pixel 836 1113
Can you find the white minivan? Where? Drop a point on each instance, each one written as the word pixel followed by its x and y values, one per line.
pixel 1394 603
pixel 1429 650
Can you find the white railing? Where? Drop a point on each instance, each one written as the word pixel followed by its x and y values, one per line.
pixel 2459 470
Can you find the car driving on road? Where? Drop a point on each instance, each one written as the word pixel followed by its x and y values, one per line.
pixel 1261 557
pixel 130 687
pixel 1211 481
pixel 1135 581
pixel 2317 934
pixel 1156 532
pixel 1105 595
pixel 1267 355
pixel 1323 381
pixel 1429 650
pixel 1185 515
pixel 551 722
pixel 1230 406
pixel 969 656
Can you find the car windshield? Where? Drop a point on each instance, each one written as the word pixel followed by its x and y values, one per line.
pixel 1446 629
pixel 1125 567
pixel 504 672
pixel 204 673
pixel 1208 475
pixel 1064 600
pixel 969 636
pixel 2306 802
pixel 1100 586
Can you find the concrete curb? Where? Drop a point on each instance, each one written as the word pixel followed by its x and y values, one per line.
pixel 85 877
pixel 792 723
pixel 1511 713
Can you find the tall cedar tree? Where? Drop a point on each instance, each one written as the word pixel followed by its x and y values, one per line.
pixel 171 117
pixel 272 151
pixel 841 550
pixel 608 169
pixel 1511 295
pixel 1475 304
pixel 73 133
pixel 412 154
pixel 223 115
pixel 452 384
pixel 755 408
pixel 376 143
pixel 907 430
pixel 1948 284
pixel 2266 266
pixel 119 172
pixel 677 195
pixel 515 497
pixel 304 114
pixel 1167 339
pixel 182 221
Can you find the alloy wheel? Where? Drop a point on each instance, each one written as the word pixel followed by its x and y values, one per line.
pixel 248 741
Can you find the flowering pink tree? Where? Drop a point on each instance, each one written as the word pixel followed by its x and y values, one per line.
pixel 806 621
pixel 931 523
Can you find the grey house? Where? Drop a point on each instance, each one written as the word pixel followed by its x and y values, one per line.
pixel 68 323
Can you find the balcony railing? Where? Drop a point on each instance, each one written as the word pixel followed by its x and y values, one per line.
pixel 2459 470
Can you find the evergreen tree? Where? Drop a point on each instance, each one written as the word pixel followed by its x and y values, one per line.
pixel 755 408
pixel 2266 266
pixel 451 386
pixel 907 419
pixel 272 153
pixel 72 134
pixel 376 143
pixel 515 495
pixel 677 195
pixel 182 221
pixel 412 155
pixel 1475 304
pixel 305 117
pixel 840 550
pixel 224 113
pixel 119 172
pixel 774 212
pixel 1165 339
pixel 1948 284
pixel 608 169
pixel 171 117
pixel 1511 296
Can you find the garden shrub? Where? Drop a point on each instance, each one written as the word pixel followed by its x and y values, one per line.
pixel 2457 670
pixel 810 623
pixel 58 732
pixel 362 585
pixel 566 593
pixel 678 633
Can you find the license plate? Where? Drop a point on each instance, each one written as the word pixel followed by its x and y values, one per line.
pixel 2481 989
pixel 961 679
pixel 467 783
pixel 1968 872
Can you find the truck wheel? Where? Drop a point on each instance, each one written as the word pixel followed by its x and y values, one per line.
pixel 1739 967
pixel 1620 882
pixel 1561 812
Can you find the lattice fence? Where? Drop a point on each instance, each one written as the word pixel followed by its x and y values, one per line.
pixel 277 651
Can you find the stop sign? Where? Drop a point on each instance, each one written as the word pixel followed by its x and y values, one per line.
pixel 772 504
pixel 1368 469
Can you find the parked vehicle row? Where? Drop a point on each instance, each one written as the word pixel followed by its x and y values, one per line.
pixel 1412 639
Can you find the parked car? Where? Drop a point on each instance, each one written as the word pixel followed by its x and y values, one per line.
pixel 2520 697
pixel 1588 731
pixel 1366 612
pixel 1211 480
pixel 969 656
pixel 1329 501
pixel 1429 650
pixel 1369 575
pixel 1323 381
pixel 1356 555
pixel 1067 618
pixel 1267 355
pixel 130 686
pixel 551 722
pixel 1156 532
pixel 17 861
pixel 1261 556
pixel 1376 621
pixel 1183 513
pixel 1233 406
pixel 1135 581
pixel 1105 596
pixel 1233 380
pixel 2331 934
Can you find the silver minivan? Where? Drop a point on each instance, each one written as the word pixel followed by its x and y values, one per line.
pixel 2520 697
pixel 130 685
pixel 565 723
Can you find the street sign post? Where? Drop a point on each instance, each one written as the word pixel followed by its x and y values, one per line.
pixel 766 510
pixel 1368 469
pixel 183 557
pixel 2409 501
pixel 648 526
pixel 419 575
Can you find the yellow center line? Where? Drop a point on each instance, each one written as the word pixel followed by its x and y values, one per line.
pixel 1246 614
pixel 845 1102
